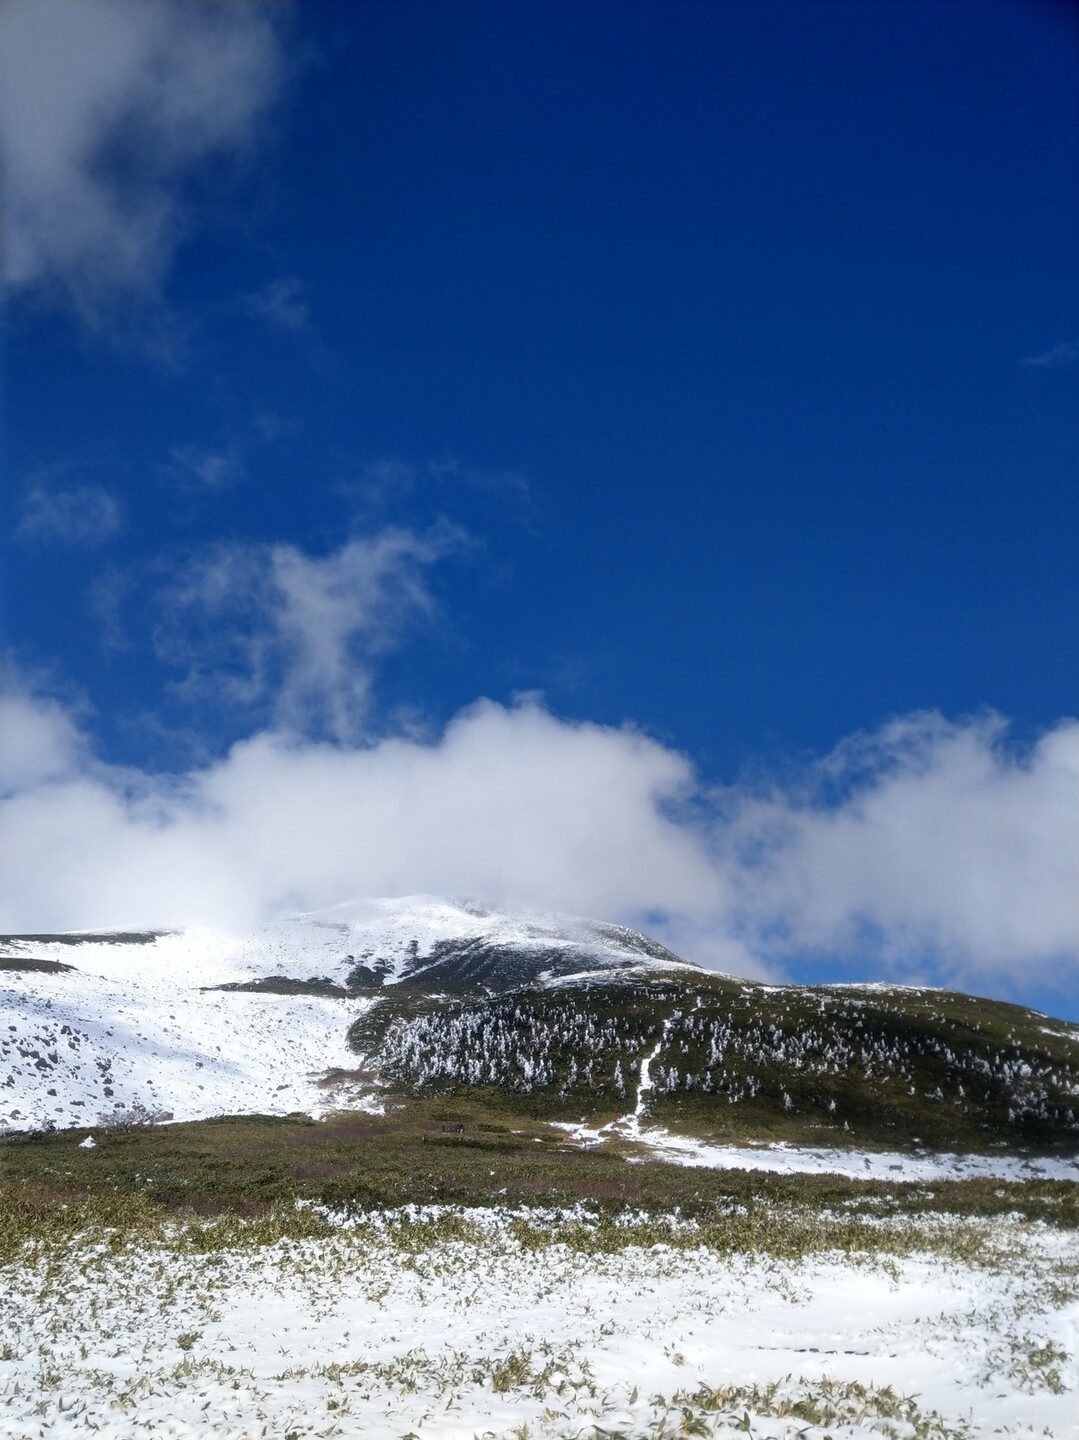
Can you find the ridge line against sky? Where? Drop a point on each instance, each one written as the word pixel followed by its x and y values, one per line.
pixel 506 449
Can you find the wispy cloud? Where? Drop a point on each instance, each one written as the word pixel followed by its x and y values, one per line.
pixel 391 479
pixel 225 463
pixel 282 305
pixel 207 469
pixel 292 634
pixel 82 515
pixel 107 595
pixel 1064 352
pixel 108 108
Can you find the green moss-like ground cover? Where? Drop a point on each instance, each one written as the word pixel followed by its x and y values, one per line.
pixel 248 1165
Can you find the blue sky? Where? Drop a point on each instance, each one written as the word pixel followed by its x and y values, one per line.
pixel 706 370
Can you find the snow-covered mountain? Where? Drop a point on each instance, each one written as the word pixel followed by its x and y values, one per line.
pixel 563 1019
pixel 195 1023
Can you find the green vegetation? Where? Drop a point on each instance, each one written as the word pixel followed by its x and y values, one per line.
pixel 728 1061
pixel 24 963
pixel 282 985
pixel 253 1167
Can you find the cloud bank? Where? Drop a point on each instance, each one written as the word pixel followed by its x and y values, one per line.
pixel 929 849
pixel 106 109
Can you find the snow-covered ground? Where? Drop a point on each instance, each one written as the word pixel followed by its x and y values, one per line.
pixel 859 1164
pixel 784 1159
pixel 78 1047
pixel 353 1335
pixel 135 1022
pixel 389 928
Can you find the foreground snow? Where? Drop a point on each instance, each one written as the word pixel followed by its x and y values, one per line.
pixel 858 1164
pixel 779 1158
pixel 368 1333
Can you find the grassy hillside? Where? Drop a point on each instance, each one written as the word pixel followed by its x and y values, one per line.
pixel 729 1060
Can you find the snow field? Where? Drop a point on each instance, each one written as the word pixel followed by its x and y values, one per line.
pixel 447 1325
pixel 77 1049
pixel 782 1158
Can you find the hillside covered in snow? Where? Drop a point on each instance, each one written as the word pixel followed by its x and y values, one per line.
pixel 188 1024
pixel 591 1027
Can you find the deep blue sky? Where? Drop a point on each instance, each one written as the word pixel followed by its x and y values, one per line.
pixel 707 367
pixel 737 296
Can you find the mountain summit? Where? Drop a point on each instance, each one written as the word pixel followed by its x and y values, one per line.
pixel 461 946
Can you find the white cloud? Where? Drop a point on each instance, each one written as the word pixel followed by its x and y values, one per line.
pixel 268 625
pixel 947 849
pixel 39 739
pixel 211 469
pixel 513 804
pixel 946 855
pixel 80 514
pixel 1064 352
pixel 107 108
pixel 282 304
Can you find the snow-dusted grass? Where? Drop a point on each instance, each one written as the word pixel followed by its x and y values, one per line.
pixel 782 1158
pixel 447 1322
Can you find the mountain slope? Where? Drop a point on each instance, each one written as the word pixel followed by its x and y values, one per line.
pixel 729 1060
pixel 188 1024
pixel 558 1018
